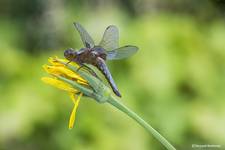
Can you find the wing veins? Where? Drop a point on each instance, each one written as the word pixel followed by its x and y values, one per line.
pixel 85 37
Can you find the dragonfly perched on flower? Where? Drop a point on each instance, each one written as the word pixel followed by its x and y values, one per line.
pixel 96 55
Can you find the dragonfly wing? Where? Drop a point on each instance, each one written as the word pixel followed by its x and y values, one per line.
pixel 122 52
pixel 110 39
pixel 86 38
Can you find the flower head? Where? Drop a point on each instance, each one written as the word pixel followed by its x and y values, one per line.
pixel 77 83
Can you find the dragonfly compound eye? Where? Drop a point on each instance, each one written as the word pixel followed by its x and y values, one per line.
pixel 69 54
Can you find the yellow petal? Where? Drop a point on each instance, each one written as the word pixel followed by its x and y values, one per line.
pixel 72 97
pixel 62 71
pixel 73 113
pixel 82 82
pixel 59 84
pixel 55 61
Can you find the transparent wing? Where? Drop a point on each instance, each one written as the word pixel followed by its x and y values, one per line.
pixel 110 39
pixel 122 52
pixel 86 38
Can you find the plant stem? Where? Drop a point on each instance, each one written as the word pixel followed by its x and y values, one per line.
pixel 138 119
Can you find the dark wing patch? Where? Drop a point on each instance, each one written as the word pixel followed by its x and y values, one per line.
pixel 110 39
pixel 85 37
pixel 122 52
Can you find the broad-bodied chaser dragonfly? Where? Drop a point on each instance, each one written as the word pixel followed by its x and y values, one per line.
pixel 96 55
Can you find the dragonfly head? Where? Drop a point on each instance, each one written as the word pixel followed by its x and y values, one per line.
pixel 69 54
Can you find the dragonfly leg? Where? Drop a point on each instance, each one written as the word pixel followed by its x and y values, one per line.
pixel 90 70
pixel 68 63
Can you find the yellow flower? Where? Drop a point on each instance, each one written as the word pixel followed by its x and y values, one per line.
pixel 58 69
pixel 66 77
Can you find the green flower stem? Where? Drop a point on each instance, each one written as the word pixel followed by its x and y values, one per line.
pixel 101 94
pixel 138 119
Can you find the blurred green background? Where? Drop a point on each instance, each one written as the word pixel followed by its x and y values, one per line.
pixel 176 81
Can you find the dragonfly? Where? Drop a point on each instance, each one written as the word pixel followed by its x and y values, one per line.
pixel 97 55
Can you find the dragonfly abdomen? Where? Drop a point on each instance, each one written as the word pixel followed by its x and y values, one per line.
pixel 104 69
